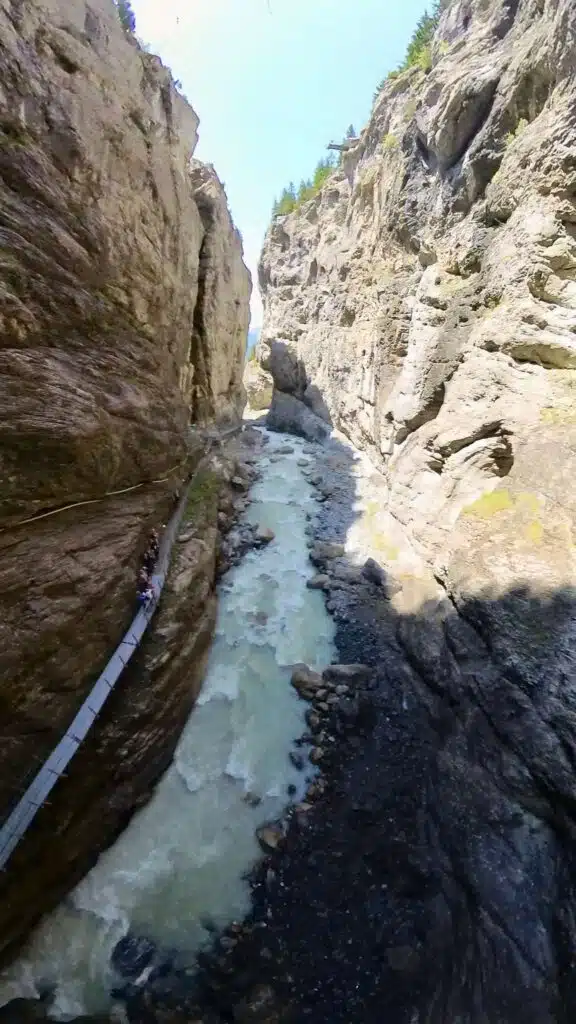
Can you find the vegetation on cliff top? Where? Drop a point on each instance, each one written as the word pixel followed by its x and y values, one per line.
pixel 291 198
pixel 419 52
pixel 126 15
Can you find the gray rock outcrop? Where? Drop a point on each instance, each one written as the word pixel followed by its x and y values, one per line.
pixel 259 385
pixel 424 302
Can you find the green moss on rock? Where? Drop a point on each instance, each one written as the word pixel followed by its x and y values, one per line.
pixel 489 504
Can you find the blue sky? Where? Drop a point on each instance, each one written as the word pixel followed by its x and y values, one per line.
pixel 273 81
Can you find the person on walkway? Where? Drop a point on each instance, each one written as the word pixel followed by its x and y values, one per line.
pixel 145 596
pixel 149 560
pixel 143 580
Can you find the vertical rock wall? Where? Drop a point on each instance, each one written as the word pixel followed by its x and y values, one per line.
pixel 123 320
pixel 425 301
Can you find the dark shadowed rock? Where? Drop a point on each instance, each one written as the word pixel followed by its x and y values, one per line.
pixel 289 415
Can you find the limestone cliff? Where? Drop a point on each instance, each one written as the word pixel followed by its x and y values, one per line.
pixel 424 302
pixel 123 321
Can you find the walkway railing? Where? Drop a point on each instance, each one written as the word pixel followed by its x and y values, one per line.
pixel 18 822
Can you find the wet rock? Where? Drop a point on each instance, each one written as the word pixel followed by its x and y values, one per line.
pixel 303 808
pixel 297 760
pixel 347 673
pixel 316 755
pixel 324 551
pixel 305 678
pixel 303 463
pixel 131 955
pixel 347 573
pixel 319 582
pixel 270 836
pixel 252 799
pixel 312 720
pixel 286 449
pixel 315 790
pixel 264 535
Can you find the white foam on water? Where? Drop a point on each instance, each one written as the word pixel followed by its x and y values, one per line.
pixel 184 857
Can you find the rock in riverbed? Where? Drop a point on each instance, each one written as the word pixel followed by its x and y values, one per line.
pixel 324 551
pixel 264 535
pixel 304 678
pixel 347 673
pixel 318 582
pixel 270 836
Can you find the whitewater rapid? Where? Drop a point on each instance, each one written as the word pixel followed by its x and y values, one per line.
pixel 178 871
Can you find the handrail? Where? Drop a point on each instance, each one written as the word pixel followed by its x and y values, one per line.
pixel 20 819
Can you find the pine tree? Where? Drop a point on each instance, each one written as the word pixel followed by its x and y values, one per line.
pixel 126 15
pixel 350 132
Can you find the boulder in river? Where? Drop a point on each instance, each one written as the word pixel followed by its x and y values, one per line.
pixel 320 581
pixel 263 535
pixel 305 678
pixel 270 836
pixel 325 550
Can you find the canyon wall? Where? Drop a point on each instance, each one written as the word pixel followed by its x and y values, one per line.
pixel 123 322
pixel 424 302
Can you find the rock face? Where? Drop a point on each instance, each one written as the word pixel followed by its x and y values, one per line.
pixel 258 385
pixel 424 302
pixel 123 319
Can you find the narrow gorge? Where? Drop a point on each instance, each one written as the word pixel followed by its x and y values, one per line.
pixel 337 781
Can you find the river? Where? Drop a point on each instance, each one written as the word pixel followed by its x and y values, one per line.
pixel 179 870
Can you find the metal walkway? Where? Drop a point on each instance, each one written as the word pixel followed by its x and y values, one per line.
pixel 39 789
